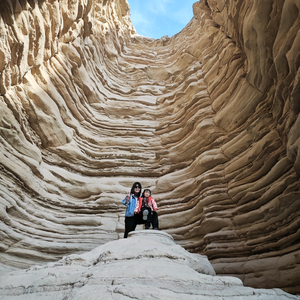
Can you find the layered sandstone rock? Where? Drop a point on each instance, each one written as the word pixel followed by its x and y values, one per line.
pixel 208 119
pixel 147 265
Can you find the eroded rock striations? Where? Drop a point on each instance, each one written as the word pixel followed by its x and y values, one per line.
pixel 208 119
pixel 147 265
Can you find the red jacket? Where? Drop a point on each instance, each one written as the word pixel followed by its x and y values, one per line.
pixel 151 203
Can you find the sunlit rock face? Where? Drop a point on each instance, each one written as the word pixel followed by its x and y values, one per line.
pixel 208 120
pixel 148 265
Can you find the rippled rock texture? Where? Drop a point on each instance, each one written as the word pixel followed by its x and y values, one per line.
pixel 208 119
pixel 148 265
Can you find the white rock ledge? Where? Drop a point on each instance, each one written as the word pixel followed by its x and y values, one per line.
pixel 155 234
pixel 147 265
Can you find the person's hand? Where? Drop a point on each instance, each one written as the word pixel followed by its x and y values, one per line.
pixel 127 197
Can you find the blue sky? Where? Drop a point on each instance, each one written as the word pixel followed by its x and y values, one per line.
pixel 156 18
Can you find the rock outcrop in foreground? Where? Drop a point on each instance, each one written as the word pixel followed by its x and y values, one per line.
pixel 208 119
pixel 147 265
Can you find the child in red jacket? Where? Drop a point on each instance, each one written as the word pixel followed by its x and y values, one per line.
pixel 147 207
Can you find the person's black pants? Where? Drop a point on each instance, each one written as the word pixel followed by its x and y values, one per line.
pixel 130 224
pixel 154 220
pixel 151 219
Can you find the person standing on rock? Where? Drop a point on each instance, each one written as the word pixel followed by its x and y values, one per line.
pixel 130 202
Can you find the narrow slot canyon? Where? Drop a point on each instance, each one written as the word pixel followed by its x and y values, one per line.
pixel 207 119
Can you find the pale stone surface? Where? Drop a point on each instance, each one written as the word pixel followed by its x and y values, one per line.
pixel 146 265
pixel 208 119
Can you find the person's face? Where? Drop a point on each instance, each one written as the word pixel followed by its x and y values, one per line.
pixel 147 194
pixel 137 189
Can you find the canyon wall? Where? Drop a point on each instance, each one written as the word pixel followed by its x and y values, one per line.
pixel 207 119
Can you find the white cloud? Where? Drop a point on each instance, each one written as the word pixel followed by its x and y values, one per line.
pixel 182 16
pixel 143 24
pixel 139 19
pixel 156 18
pixel 157 7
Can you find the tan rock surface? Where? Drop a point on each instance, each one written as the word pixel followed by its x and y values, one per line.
pixel 208 119
pixel 147 265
